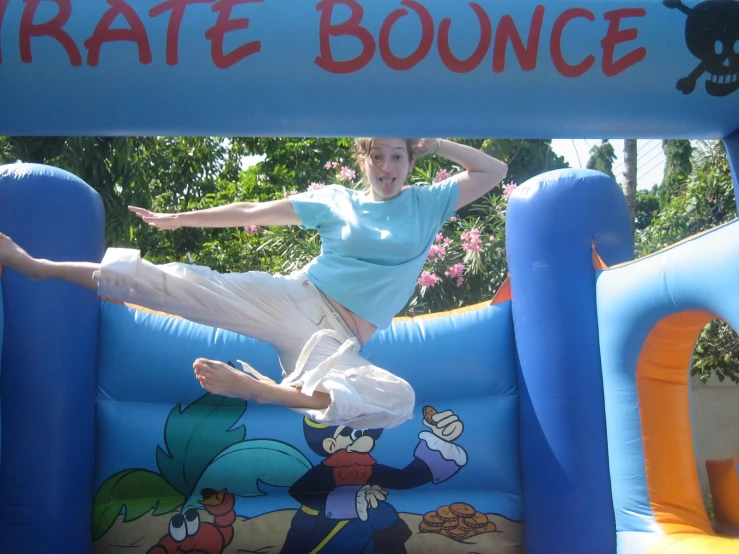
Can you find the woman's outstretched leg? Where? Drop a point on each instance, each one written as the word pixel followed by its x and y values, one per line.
pixel 219 378
pixel 14 257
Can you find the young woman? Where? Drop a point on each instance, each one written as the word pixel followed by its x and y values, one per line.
pixel 374 243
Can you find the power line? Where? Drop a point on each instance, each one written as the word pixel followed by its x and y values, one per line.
pixel 638 157
pixel 656 145
pixel 642 154
pixel 657 155
pixel 644 145
pixel 576 153
pixel 650 145
pixel 642 172
pixel 652 168
pixel 587 144
pixel 646 175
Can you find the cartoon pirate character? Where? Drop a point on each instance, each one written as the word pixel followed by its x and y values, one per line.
pixel 343 499
pixel 712 36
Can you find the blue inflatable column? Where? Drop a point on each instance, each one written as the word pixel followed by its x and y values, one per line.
pixel 552 222
pixel 2 326
pixel 49 361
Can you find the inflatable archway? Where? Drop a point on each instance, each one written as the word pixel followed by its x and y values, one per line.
pixel 573 439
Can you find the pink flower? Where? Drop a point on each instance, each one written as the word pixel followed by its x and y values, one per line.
pixel 472 234
pixel 291 193
pixel 471 241
pixel 441 175
pixel 251 229
pixel 473 246
pixel 328 165
pixel 439 237
pixel 316 186
pixel 509 189
pixel 427 279
pixel 447 241
pixel 411 311
pixel 460 281
pixel 436 251
pixel 498 208
pixel 455 271
pixel 347 174
pixel 454 218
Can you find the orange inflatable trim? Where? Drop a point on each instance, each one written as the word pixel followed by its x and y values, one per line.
pixel 663 387
pixel 723 478
pixel 664 405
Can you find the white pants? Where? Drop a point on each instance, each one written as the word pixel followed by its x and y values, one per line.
pixel 314 344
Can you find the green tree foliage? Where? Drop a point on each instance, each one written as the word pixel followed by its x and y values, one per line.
pixel 705 200
pixel 526 158
pixel 105 163
pixel 602 157
pixel 186 173
pixel 293 163
pixel 717 352
pixel 697 202
pixel 647 208
pixel 167 173
pixel 678 166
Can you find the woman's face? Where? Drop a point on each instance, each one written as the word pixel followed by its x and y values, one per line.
pixel 387 167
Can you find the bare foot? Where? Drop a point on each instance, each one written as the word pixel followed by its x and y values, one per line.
pixel 220 378
pixel 14 257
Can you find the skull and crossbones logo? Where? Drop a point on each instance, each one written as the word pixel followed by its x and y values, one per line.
pixel 712 36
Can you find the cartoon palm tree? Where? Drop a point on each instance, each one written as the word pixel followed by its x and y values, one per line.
pixel 202 453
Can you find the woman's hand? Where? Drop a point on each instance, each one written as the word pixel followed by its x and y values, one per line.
pixel 428 146
pixel 160 221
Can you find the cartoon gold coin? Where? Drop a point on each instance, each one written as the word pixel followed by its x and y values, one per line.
pixel 462 510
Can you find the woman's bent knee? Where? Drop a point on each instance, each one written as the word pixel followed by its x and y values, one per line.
pixel 364 405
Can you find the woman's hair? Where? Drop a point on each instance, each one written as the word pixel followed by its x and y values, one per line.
pixel 363 146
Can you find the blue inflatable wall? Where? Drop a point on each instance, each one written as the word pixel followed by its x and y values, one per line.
pixel 453 364
pixel 159 445
pixel 49 360
pixel 2 325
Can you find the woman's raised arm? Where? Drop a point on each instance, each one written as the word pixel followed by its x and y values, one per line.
pixel 238 214
pixel 481 172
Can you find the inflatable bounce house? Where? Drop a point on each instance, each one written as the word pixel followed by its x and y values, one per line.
pixel 571 385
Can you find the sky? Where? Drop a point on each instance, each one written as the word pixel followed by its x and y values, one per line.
pixel 650 158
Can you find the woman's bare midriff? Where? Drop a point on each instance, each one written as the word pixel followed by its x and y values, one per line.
pixel 362 328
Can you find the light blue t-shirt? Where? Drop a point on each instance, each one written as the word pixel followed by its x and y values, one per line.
pixel 373 252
